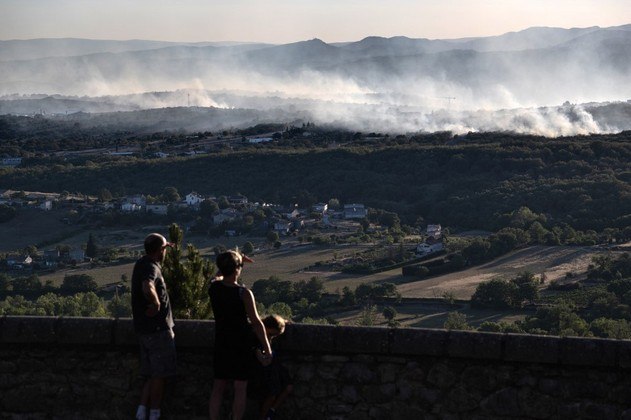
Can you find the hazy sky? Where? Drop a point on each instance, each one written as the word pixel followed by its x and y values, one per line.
pixel 281 21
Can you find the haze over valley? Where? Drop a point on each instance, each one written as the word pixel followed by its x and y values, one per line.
pixel 544 81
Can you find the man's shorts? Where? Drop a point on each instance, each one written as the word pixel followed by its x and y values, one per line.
pixel 157 354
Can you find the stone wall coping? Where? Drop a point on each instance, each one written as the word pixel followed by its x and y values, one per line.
pixel 329 339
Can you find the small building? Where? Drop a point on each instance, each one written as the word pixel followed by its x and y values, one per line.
pixel 426 248
pixel 46 205
pixel 76 256
pixel 320 208
pixel 18 261
pixel 282 227
pixel 193 199
pixel 257 140
pixel 355 211
pixel 11 161
pixel 434 231
pixel 292 214
pixel 237 199
pixel 137 199
pixel 130 207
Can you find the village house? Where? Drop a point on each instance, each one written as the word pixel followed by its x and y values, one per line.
pixel 50 258
pixel 427 248
pixel 193 199
pixel 355 211
pixel 237 199
pixel 18 261
pixel 226 215
pixel 130 207
pixel 282 227
pixel 46 205
pixel 138 199
pixel 320 208
pixel 11 161
pixel 75 256
pixel 434 231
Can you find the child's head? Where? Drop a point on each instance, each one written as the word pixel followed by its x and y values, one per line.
pixel 274 325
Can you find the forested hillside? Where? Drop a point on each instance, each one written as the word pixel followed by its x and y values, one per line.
pixel 462 181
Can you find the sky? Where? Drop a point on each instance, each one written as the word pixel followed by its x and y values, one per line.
pixel 284 21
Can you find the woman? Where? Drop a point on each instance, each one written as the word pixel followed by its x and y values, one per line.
pixel 233 304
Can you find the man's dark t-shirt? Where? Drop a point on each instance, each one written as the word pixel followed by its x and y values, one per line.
pixel 147 269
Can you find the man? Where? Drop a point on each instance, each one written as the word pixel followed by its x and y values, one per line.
pixel 153 323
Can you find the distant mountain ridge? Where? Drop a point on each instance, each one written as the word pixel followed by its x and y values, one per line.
pixel 533 67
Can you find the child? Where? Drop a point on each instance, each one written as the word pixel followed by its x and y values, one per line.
pixel 276 380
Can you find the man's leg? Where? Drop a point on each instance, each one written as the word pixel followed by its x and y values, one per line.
pixel 219 385
pixel 281 397
pixel 156 392
pixel 240 394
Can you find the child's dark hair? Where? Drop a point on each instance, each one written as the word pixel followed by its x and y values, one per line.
pixel 275 322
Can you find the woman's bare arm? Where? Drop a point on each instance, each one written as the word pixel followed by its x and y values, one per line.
pixel 257 324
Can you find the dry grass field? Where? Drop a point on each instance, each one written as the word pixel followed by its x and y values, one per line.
pixel 295 262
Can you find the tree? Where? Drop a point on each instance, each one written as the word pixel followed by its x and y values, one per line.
pixel 208 208
pixel 348 297
pixel 120 306
pixel 27 284
pixel 526 290
pixel 367 316
pixel 171 195
pixel 456 321
pixel 389 313
pixel 30 250
pixel 312 290
pixel 6 213
pixel 187 278
pixel 280 308
pixel 223 202
pixel 91 248
pixel 272 237
pixel 495 293
pixel 5 282
pixel 75 283
pixel 105 195
pixel 248 248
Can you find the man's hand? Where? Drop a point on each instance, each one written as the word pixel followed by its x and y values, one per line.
pixel 152 309
pixel 264 358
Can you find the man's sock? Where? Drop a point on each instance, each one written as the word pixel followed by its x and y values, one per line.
pixel 154 414
pixel 141 413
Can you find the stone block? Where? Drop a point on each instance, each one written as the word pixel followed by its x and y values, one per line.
pixel 623 351
pixel 362 340
pixel 124 334
pixel 28 329
pixel 308 338
pixel 86 331
pixel 475 345
pixel 413 341
pixel 531 348
pixel 194 333
pixel 587 352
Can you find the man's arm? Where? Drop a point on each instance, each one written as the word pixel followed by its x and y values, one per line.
pixel 151 295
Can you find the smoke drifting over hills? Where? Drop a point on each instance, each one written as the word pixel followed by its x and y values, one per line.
pixel 514 82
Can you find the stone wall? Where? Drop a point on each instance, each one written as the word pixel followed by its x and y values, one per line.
pixel 81 368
